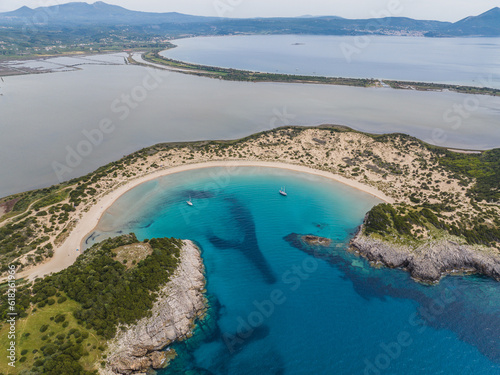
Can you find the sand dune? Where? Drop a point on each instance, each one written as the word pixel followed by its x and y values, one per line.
pixel 67 253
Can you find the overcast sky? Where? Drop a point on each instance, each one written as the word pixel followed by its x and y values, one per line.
pixel 443 10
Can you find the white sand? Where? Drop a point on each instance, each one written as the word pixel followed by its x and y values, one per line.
pixel 465 151
pixel 66 254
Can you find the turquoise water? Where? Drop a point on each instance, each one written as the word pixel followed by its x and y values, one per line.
pixel 281 307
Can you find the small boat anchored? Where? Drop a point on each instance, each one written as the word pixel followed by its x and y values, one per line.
pixel 189 201
pixel 283 192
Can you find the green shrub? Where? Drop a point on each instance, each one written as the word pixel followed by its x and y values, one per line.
pixel 61 299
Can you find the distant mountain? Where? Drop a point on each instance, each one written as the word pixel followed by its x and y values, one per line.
pixel 99 13
pixel 82 15
pixel 21 12
pixel 331 17
pixel 486 24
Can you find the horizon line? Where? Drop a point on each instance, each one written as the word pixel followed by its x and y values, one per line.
pixel 242 18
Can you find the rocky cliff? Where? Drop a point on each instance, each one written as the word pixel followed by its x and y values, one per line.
pixel 181 300
pixel 430 261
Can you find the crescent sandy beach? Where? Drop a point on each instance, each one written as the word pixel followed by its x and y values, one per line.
pixel 249 189
pixel 66 254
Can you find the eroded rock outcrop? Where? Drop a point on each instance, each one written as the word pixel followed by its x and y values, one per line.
pixel 315 240
pixel 180 302
pixel 429 262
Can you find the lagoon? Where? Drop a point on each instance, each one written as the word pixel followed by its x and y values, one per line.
pixel 45 117
pixel 459 61
pixel 335 314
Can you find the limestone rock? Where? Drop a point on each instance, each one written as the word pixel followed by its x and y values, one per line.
pixel 429 262
pixel 158 359
pixel 315 240
pixel 179 303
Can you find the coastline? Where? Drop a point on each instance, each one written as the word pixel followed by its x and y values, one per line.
pixel 427 194
pixel 66 254
pixel 153 59
pixel 431 261
pixel 29 71
pixel 140 347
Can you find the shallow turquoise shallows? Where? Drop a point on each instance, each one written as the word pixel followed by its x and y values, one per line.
pixel 279 306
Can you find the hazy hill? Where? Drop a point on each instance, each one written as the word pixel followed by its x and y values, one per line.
pixel 486 24
pixel 81 15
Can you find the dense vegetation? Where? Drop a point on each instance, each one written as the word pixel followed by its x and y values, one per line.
pixel 31 41
pixel 425 86
pixel 482 227
pixel 243 75
pixel 88 301
pixel 108 293
pixel 484 167
pixel 38 215
pixel 42 197
pixel 19 238
pixel 55 203
pixel 412 222
pixel 384 218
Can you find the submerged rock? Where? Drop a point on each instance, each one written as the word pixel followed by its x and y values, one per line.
pixel 315 240
pixel 138 348
pixel 318 247
pixel 430 261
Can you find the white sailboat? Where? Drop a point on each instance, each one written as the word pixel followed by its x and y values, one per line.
pixel 189 201
pixel 283 192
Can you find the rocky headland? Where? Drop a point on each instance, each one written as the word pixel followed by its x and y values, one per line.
pixel 140 347
pixel 430 261
pixel 431 193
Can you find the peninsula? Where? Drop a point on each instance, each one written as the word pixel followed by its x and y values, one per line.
pixel 433 196
pixel 111 312
pixel 154 59
pixel 91 283
pixel 440 216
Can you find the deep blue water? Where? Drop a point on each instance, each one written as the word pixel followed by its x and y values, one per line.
pixel 279 306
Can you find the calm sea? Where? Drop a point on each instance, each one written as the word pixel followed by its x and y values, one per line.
pixel 278 309
pixel 462 61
